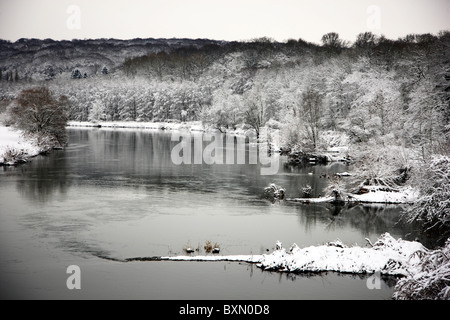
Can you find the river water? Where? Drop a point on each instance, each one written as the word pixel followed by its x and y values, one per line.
pixel 116 194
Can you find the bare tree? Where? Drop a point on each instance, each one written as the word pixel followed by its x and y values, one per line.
pixel 312 105
pixel 37 111
pixel 365 40
pixel 253 116
pixel 254 111
pixel 332 42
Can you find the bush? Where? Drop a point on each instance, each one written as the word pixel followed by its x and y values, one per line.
pixel 432 281
pixel 11 155
pixel 38 112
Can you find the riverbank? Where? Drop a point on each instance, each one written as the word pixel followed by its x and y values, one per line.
pixel 374 194
pixel 194 126
pixel 15 147
pixel 167 125
pixel 387 255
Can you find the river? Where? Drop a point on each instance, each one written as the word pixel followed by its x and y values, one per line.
pixel 116 194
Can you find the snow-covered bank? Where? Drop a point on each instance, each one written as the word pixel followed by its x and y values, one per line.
pixel 387 255
pixel 163 125
pixel 188 126
pixel 333 146
pixel 14 147
pixel 375 194
pixel 312 200
pixel 212 258
pixel 378 195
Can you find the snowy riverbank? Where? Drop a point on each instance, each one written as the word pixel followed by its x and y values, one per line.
pixel 375 194
pixel 195 126
pixel 15 147
pixel 387 255
pixel 187 126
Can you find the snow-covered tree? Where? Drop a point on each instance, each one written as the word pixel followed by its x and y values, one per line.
pixel 433 206
pixel 254 110
pixel 312 114
pixel 226 110
pixel 76 74
pixel 426 120
pixel 431 280
pixel 38 111
pixel 97 111
pixel 377 106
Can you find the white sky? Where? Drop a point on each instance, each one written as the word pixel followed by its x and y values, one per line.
pixel 220 19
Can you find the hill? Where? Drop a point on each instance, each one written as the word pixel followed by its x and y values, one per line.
pixel 49 59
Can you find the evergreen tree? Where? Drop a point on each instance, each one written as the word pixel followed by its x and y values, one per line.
pixel 76 74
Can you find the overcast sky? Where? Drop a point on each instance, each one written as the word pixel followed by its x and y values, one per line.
pixel 219 19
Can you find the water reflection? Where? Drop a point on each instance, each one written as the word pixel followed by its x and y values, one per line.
pixel 368 219
pixel 39 180
pixel 385 281
pixel 145 157
pixel 115 194
pixel 109 176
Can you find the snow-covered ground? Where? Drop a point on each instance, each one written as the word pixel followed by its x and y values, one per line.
pixel 375 195
pixel 403 195
pixel 311 200
pixel 387 255
pixel 12 139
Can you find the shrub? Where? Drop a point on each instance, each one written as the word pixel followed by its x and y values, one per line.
pixel 432 281
pixel 37 111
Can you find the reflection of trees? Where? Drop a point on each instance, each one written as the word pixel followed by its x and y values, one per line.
pixel 372 219
pixel 366 218
pixel 311 214
pixel 375 218
pixel 43 177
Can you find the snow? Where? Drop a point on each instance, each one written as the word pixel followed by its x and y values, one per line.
pixel 375 195
pixel 215 258
pixel 431 281
pixel 312 200
pixel 387 255
pixel 188 126
pixel 11 138
pixel 343 174
pixel 404 195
